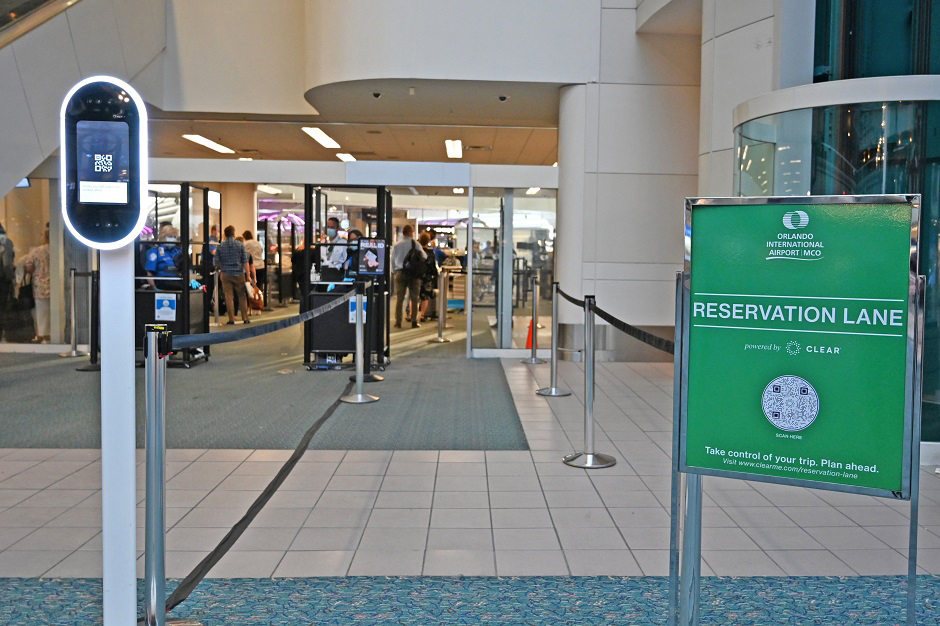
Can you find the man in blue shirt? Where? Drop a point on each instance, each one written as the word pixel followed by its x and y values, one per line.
pixel 232 259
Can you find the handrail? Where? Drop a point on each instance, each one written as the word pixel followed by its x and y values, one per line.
pixel 32 19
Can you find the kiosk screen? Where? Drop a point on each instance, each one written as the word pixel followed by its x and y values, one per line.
pixel 371 257
pixel 103 158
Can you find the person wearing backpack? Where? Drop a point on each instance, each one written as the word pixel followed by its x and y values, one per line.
pixel 408 266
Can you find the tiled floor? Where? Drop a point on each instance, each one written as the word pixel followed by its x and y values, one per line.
pixel 467 512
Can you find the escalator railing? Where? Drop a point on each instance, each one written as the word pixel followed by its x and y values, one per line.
pixel 18 17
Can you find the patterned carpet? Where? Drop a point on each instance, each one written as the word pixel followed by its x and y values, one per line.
pixel 739 601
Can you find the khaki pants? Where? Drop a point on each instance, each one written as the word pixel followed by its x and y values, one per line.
pixel 413 285
pixel 235 285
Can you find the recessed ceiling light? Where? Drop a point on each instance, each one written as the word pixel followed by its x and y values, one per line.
pixel 202 141
pixel 531 191
pixel 245 159
pixel 458 189
pixel 269 189
pixel 321 137
pixel 344 156
pixel 555 164
pixel 454 148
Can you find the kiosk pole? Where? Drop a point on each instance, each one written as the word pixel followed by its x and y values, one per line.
pixel 441 309
pixel 359 397
pixel 533 359
pixel 589 459
pixel 553 391
pixel 118 463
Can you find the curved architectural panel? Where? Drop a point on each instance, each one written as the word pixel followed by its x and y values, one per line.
pixel 524 41
pixel 883 89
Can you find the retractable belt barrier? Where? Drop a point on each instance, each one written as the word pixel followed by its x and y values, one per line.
pixel 209 339
pixel 158 345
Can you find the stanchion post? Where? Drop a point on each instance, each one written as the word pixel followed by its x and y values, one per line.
pixel 553 390
pixel 367 375
pixel 359 397
pixel 73 326
pixel 157 347
pixel 589 459
pixel 155 532
pixel 215 296
pixel 441 309
pixel 534 324
pixel 94 315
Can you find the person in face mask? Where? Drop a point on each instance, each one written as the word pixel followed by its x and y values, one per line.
pixel 352 253
pixel 333 255
pixel 163 259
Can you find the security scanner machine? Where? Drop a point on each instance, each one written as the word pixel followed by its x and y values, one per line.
pixel 175 273
pixel 327 274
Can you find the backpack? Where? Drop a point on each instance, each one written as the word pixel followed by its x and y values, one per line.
pixel 414 266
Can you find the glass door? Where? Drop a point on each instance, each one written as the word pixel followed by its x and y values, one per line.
pixel 512 244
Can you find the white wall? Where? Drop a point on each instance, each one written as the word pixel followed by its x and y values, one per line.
pixel 627 159
pixel 548 41
pixel 117 37
pixel 236 56
pixel 737 64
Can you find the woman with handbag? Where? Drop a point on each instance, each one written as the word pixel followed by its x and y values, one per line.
pixel 36 264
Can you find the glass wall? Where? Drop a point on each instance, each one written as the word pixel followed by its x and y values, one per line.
pixel 866 148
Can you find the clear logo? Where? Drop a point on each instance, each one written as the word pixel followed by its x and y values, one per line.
pixel 795 220
pixel 793 347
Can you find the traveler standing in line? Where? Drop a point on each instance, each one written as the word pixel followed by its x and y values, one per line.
pixel 254 249
pixel 233 261
pixel 36 264
pixel 431 273
pixel 408 268
pixel 7 272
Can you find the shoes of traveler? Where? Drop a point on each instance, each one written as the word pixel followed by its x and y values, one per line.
pixel 397 324
pixel 248 321
pixel 229 323
pixel 416 325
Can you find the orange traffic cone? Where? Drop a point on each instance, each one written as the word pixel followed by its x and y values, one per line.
pixel 528 341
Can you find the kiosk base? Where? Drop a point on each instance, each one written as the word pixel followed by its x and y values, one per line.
pixel 589 461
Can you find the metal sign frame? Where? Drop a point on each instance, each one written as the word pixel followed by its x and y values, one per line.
pixel 693 204
pixel 686 497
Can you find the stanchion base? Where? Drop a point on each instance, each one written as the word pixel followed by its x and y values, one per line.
pixel 355 398
pixel 589 461
pixel 73 353
pixel 553 392
pixel 368 378
pixel 533 361
pixel 439 340
pixel 91 367
pixel 182 621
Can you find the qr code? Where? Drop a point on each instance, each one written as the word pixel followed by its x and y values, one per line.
pixel 790 403
pixel 103 162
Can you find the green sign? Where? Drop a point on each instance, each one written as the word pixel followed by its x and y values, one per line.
pixel 800 341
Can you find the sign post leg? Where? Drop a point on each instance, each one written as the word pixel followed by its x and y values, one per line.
pixel 691 552
pixel 676 491
pixel 915 454
pixel 118 444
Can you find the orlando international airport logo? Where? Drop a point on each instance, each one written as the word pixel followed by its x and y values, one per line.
pixel 795 220
pixel 790 403
pixel 794 243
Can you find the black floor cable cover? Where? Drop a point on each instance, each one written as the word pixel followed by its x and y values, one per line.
pixel 188 584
